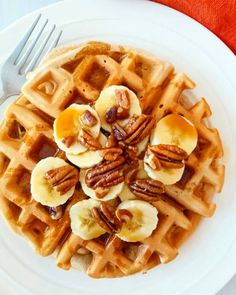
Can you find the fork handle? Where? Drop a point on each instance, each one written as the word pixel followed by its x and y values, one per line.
pixel 4 97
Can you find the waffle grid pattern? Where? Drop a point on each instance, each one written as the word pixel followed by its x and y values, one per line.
pixel 78 75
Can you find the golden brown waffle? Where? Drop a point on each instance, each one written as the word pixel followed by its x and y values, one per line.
pixel 25 139
pixel 78 74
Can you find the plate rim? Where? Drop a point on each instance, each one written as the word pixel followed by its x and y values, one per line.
pixel 226 270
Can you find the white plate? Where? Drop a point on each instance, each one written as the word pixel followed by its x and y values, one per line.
pixel 205 262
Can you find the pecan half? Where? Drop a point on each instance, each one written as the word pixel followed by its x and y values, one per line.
pixel 88 119
pixel 152 160
pixel 169 156
pixel 131 121
pixel 69 140
pixel 132 152
pixel 62 178
pixel 55 212
pixel 106 174
pixel 111 141
pixel 123 215
pixel 138 128
pixel 122 98
pixel 147 189
pixel 104 222
pixel 101 192
pixel 88 141
pixel 122 145
pixel 121 110
pixel 111 115
pixel 123 104
pixel 109 212
pixel 119 132
pixel 111 154
pixel 122 113
pixel 131 171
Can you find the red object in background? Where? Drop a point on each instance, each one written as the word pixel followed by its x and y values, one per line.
pixel 219 16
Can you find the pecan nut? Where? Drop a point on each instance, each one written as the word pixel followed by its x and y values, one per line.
pixel 122 113
pixel 122 145
pixel 147 189
pixel 132 152
pixel 69 140
pixel 123 215
pixel 122 98
pixel 106 174
pixel 131 171
pixel 102 220
pixel 119 111
pixel 101 192
pixel 55 212
pixel 169 156
pixel 111 154
pixel 119 132
pixel 106 219
pixel 109 212
pixel 88 119
pixel 111 114
pixel 152 160
pixel 123 104
pixel 62 178
pixel 111 141
pixel 138 128
pixel 109 219
pixel 88 141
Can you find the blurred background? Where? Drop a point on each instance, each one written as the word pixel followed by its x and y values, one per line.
pixel 10 10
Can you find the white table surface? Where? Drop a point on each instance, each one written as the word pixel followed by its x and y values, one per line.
pixel 10 10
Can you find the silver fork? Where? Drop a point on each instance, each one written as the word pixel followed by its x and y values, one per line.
pixel 15 68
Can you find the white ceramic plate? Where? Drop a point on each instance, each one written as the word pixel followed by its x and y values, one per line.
pixel 205 262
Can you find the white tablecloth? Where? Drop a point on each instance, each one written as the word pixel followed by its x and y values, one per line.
pixel 13 9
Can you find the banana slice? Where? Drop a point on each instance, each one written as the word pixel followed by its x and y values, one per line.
pixel 107 100
pixel 126 194
pixel 177 130
pixel 88 158
pixel 41 189
pixel 82 221
pixel 142 173
pixel 69 124
pixel 166 176
pixel 143 222
pixel 112 194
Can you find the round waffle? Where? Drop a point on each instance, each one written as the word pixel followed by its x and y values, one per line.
pixel 77 74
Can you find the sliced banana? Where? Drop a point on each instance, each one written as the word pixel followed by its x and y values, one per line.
pixel 142 173
pixel 126 194
pixel 82 221
pixel 41 189
pixel 112 194
pixel 143 222
pixel 107 100
pixel 89 158
pixel 166 176
pixel 69 124
pixel 176 130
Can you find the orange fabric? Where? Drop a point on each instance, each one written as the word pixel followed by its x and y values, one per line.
pixel 219 16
